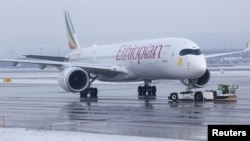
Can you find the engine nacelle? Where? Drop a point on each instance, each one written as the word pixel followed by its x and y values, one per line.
pixel 198 82
pixel 73 79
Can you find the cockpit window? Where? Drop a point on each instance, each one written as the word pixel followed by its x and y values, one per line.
pixel 190 52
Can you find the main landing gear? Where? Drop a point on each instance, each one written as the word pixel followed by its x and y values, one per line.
pixel 146 91
pixel 90 92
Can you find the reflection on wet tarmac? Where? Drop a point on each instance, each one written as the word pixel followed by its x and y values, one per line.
pixel 167 118
pixel 117 112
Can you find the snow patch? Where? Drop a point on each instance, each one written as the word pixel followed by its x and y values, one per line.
pixel 21 134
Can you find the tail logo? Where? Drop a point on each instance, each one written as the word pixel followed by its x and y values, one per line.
pixel 72 38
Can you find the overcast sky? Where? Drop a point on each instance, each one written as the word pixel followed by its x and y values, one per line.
pixel 34 24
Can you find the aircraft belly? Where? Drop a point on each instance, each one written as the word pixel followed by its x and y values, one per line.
pixel 123 77
pixel 147 70
pixel 137 72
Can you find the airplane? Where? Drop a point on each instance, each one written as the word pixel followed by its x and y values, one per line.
pixel 146 60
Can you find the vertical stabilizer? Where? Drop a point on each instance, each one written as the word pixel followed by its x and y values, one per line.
pixel 72 38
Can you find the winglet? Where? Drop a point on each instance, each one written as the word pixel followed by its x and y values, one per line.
pixel 72 38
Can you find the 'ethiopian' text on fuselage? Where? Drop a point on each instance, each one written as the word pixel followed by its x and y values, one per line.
pixel 133 52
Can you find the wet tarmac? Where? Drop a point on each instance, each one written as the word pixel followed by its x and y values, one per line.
pixel 118 109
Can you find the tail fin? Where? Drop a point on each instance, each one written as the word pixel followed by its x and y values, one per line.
pixel 72 38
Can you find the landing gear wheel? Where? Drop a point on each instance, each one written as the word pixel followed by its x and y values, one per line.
pixel 84 94
pixel 153 90
pixel 139 90
pixel 94 93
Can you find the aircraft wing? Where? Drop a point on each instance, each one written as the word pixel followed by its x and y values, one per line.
pixel 230 68
pixel 41 64
pixel 94 68
pixel 229 53
pixel 51 58
pixel 104 69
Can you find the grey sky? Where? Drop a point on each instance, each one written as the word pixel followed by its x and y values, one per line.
pixel 34 24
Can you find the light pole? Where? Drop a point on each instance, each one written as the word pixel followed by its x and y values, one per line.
pixel 11 54
pixel 41 51
pixel 58 50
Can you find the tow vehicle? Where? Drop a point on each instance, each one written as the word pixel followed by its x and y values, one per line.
pixel 226 92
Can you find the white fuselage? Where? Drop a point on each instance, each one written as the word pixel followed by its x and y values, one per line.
pixel 147 60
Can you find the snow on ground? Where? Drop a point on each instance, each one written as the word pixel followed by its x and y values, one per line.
pixel 21 134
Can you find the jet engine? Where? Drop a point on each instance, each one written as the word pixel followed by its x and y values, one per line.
pixel 74 79
pixel 198 82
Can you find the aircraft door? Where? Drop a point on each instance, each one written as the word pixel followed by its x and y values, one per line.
pixel 165 53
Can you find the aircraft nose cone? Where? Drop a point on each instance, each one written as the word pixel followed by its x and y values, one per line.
pixel 200 67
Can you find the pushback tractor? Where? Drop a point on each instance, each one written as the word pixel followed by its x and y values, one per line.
pixel 224 92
